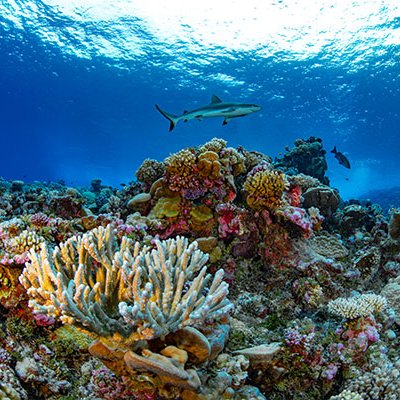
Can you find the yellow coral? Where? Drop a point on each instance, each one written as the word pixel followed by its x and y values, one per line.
pixel 7 282
pixel 265 189
pixel 200 216
pixel 208 165
pixel 24 242
pixel 166 207
pixel 181 163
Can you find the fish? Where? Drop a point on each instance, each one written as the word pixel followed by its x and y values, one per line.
pixel 215 109
pixel 343 160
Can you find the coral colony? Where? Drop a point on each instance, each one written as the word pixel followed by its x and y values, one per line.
pixel 218 274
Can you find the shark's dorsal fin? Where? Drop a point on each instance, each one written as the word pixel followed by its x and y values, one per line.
pixel 215 99
pixel 185 112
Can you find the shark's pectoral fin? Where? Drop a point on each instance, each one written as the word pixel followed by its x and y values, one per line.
pixel 185 120
pixel 226 120
pixel 199 117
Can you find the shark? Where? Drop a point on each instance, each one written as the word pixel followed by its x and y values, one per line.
pixel 216 108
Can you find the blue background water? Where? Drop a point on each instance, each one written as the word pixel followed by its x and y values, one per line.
pixel 79 80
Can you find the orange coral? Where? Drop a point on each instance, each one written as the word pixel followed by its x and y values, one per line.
pixel 181 170
pixel 265 189
pixel 208 165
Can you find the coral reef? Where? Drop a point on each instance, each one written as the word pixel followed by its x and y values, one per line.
pixel 307 157
pixel 112 293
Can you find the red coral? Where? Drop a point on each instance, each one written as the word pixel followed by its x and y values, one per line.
pixel 294 195
pixel 230 219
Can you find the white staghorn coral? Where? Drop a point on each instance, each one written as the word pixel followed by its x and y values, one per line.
pixel 123 294
pixel 358 306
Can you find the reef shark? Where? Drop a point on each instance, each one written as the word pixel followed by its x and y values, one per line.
pixel 215 109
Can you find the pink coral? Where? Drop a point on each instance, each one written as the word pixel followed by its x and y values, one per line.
pixel 294 195
pixel 230 219
pixel 298 217
pixel 43 319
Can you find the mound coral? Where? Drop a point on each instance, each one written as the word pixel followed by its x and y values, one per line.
pixel 149 172
pixel 264 189
pixel 180 170
pixel 208 165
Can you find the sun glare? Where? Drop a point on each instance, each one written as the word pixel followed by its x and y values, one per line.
pixel 299 28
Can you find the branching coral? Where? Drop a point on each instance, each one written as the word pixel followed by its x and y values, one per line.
pixel 24 242
pixel 215 145
pixel 125 293
pixel 359 306
pixel 264 189
pixel 146 306
pixel 383 382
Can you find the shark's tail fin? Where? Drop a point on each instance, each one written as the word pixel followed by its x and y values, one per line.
pixel 173 119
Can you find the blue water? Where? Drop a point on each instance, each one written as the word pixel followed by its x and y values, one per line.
pixel 79 80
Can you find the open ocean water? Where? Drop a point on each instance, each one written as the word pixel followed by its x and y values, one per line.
pixel 79 80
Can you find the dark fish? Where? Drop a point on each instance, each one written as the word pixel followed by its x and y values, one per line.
pixel 341 158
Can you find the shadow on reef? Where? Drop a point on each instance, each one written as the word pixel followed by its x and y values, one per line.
pixel 108 293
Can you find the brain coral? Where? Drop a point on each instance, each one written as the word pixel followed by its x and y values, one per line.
pixel 265 189
pixel 328 246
